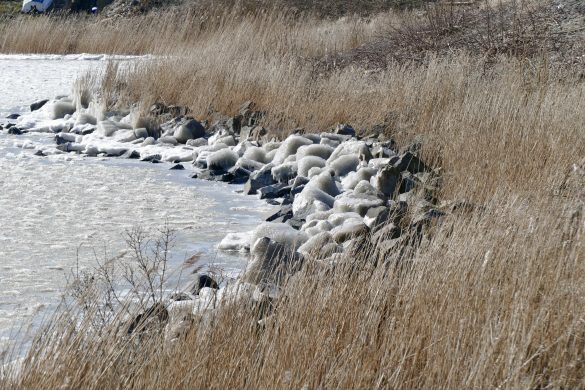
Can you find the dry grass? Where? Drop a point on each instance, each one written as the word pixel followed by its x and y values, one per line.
pixel 491 298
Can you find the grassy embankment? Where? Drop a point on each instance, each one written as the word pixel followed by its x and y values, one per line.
pixel 492 297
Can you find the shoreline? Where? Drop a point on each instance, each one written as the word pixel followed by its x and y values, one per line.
pixel 333 189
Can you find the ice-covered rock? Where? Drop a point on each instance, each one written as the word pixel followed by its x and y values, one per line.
pixel 353 178
pixel 290 147
pixel 282 233
pixel 255 153
pixel 282 173
pixel 312 199
pixel 59 109
pixel 84 119
pixel 197 142
pixel 317 150
pixel 223 159
pixel 249 164
pixel 236 242
pixel 169 140
pixel 325 182
pixel 308 162
pixel 271 261
pixel 106 128
pixel 359 203
pixel 352 147
pixel 344 164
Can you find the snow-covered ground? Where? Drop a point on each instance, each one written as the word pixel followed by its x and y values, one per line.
pixel 53 208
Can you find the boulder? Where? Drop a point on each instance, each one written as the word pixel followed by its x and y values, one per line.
pixel 197 142
pixel 344 129
pixel 222 160
pixel 38 105
pixel 189 129
pixel 14 131
pixel 152 157
pixel 131 154
pixel 177 167
pixel 387 180
pixel 13 116
pixel 271 262
pixel 106 128
pixel 169 140
pixel 60 109
pixel 203 281
pixel 273 191
pixel 84 119
pixel 411 163
pixel 257 180
pixel 154 319
pixel 238 175
pixel 282 215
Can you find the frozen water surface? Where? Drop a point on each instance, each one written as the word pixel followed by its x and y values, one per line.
pixel 53 208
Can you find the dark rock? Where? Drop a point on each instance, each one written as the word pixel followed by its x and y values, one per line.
pixel 411 163
pixel 154 317
pixel 257 180
pixel 201 164
pixel 88 131
pixel 40 153
pixel 299 181
pixel 117 154
pixel 254 134
pixel 178 167
pixel 181 296
pixel 14 131
pixel 13 116
pixel 274 191
pixel 296 190
pixel 152 157
pixel 189 129
pixel 159 109
pixel 131 154
pixel 155 161
pixel 296 222
pixel 201 281
pixel 407 183
pixel 282 215
pixel 273 202
pixel 249 115
pixel 239 175
pixel 234 124
pixel 387 180
pixel 9 125
pixel 59 140
pixel 203 175
pixel 344 129
pixel 38 105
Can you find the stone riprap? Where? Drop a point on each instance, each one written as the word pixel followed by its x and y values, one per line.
pixel 333 187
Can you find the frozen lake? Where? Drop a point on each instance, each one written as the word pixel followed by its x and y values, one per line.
pixel 53 209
